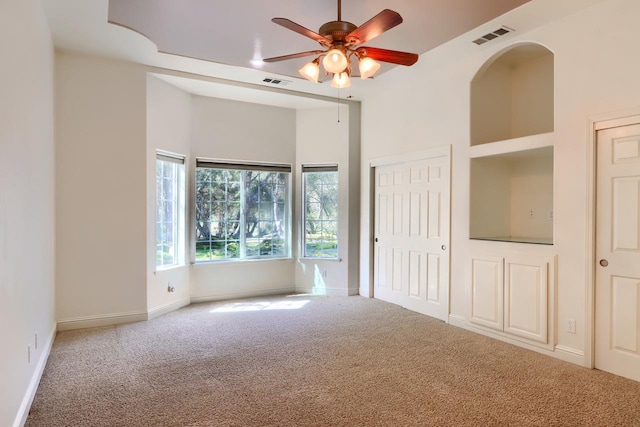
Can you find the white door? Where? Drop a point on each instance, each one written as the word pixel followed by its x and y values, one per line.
pixel 617 338
pixel 411 254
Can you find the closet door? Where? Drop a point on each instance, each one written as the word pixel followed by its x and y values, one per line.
pixel 411 254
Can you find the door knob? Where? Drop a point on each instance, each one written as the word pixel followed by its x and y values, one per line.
pixel 376 239
pixel 444 247
pixel 604 262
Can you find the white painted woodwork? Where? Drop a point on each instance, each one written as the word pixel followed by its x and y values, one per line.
pixel 487 292
pixel 510 294
pixel 412 234
pixel 617 296
pixel 525 298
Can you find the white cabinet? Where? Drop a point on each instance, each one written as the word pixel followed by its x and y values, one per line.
pixel 511 295
pixel 487 290
pixel 512 268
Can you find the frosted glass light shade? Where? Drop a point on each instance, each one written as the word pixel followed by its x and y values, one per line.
pixel 341 80
pixel 310 71
pixel 368 67
pixel 334 61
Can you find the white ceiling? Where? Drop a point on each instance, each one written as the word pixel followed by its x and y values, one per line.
pixel 218 39
pixel 235 33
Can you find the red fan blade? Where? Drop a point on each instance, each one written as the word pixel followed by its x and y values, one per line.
pixel 375 26
pixel 293 56
pixel 302 30
pixel 386 55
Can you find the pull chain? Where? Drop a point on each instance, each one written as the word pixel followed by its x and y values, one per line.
pixel 338 105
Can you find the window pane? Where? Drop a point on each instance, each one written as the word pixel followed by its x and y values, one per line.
pixel 321 214
pixel 169 191
pixel 240 212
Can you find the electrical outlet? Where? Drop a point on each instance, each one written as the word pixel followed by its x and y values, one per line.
pixel 324 273
pixel 571 326
pixel 550 214
pixel 530 213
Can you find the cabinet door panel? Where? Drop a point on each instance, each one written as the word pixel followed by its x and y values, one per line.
pixel 487 292
pixel 526 284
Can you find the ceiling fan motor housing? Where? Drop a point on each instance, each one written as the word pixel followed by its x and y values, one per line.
pixel 337 31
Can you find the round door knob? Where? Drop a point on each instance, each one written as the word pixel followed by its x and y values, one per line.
pixel 376 240
pixel 444 247
pixel 604 262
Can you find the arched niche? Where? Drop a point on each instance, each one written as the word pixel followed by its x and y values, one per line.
pixel 512 95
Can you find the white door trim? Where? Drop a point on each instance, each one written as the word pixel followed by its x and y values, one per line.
pixel 444 150
pixel 416 155
pixel 596 123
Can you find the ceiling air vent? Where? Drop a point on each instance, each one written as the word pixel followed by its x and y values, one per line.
pixel 492 35
pixel 278 82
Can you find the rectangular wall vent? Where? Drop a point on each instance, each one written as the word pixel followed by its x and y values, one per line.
pixel 493 35
pixel 278 82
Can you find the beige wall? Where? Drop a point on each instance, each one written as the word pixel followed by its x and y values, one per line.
pixel 223 129
pixel 595 73
pixel 168 129
pixel 101 190
pixel 118 114
pixel 26 204
pixel 322 140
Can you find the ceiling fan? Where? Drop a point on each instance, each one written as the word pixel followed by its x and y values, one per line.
pixel 342 40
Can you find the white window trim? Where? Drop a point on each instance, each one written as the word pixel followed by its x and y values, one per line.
pixel 180 202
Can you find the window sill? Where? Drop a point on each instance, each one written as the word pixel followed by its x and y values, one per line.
pixel 168 268
pixel 240 261
pixel 304 258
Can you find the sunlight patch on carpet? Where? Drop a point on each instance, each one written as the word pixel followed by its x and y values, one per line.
pixel 260 306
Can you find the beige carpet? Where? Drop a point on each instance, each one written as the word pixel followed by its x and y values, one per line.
pixel 315 361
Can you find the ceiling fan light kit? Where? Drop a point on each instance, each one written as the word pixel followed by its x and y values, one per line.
pixel 341 80
pixel 368 67
pixel 335 61
pixel 311 70
pixel 341 40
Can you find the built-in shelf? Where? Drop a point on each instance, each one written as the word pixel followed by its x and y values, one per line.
pixel 511 147
pixel 512 95
pixel 511 195
pixel 517 239
pixel 514 145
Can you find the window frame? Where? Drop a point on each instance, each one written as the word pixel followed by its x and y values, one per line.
pixel 178 209
pixel 244 168
pixel 318 169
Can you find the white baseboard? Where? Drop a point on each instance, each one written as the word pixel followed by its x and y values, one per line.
pixel 456 319
pixel 27 400
pixel 365 292
pixel 572 355
pixel 559 352
pixel 238 295
pixel 96 321
pixel 337 292
pixel 160 311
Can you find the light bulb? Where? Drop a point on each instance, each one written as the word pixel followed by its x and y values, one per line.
pixel 311 71
pixel 368 67
pixel 341 80
pixel 334 61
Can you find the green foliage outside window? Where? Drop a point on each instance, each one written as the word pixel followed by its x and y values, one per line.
pixel 321 214
pixel 240 214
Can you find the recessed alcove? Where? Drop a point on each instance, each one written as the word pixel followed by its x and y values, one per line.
pixel 512 196
pixel 512 95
